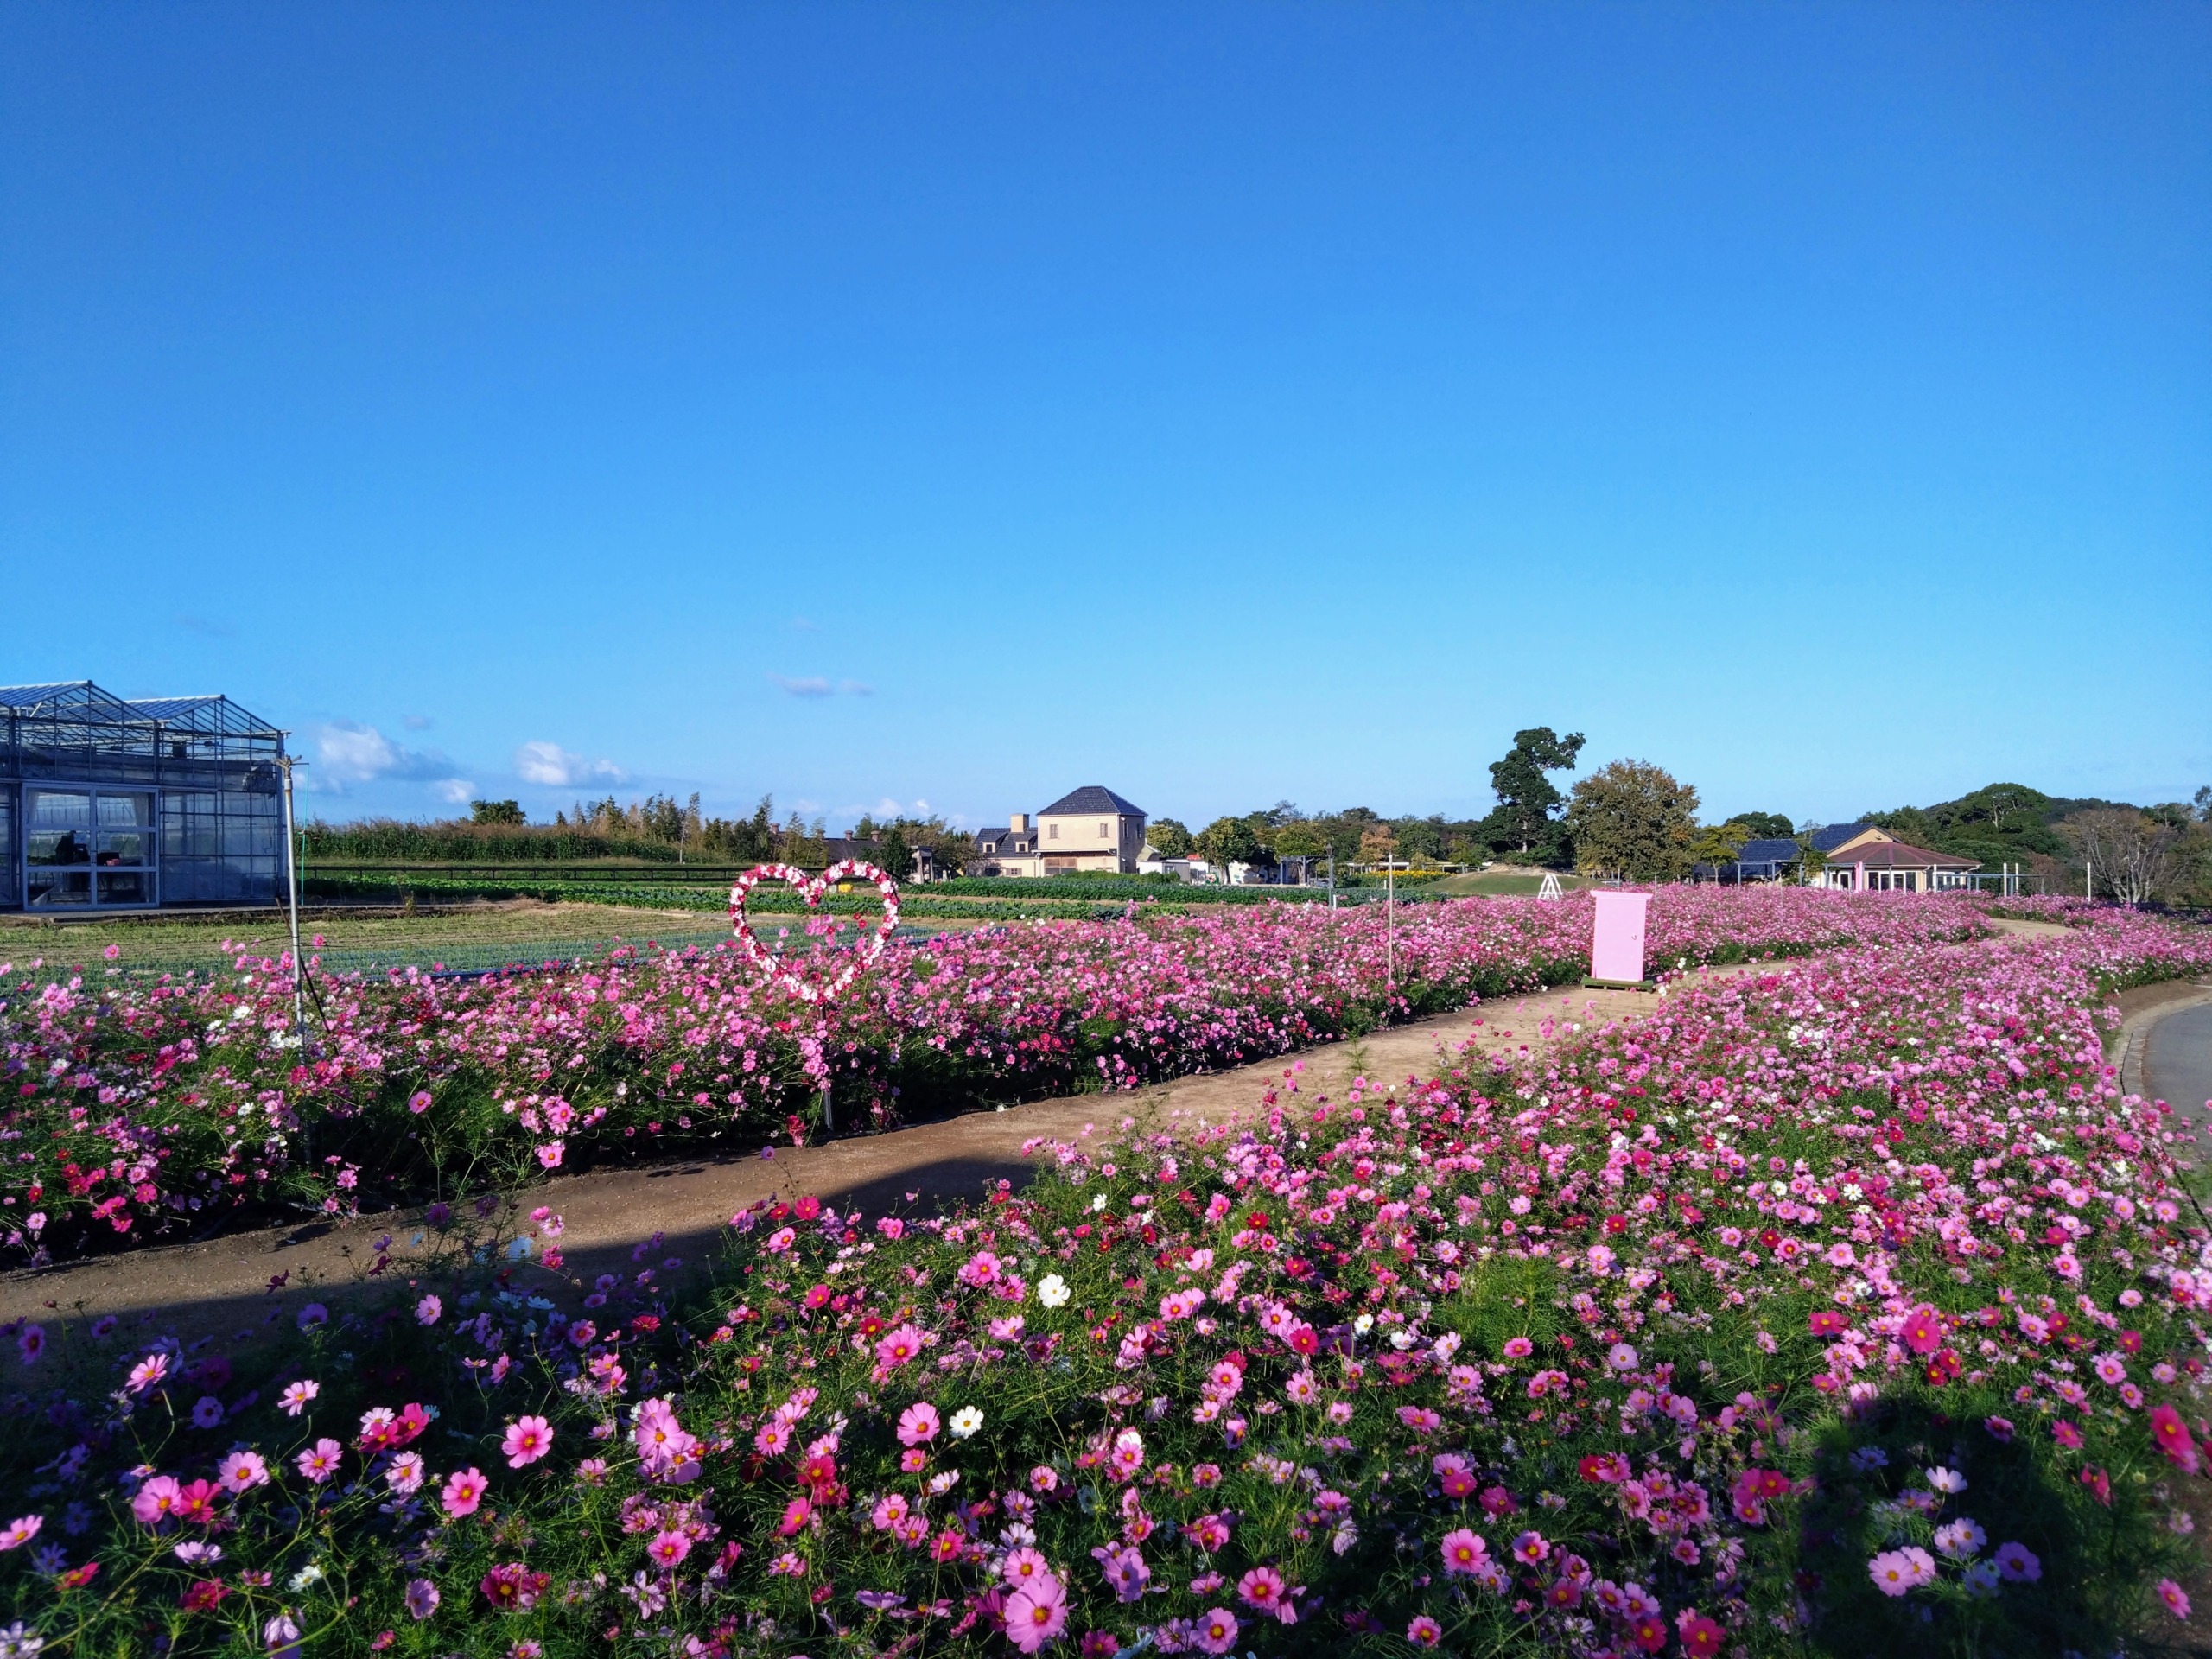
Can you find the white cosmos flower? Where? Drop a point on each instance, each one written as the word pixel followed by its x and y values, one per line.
pixel 966 1422
pixel 1052 1291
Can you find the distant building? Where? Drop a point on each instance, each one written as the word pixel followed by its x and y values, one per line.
pixel 1861 858
pixel 1090 829
pixel 109 803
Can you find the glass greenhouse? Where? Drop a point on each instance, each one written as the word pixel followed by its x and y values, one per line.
pixel 108 803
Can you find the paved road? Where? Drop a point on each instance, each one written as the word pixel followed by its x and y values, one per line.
pixel 2178 1059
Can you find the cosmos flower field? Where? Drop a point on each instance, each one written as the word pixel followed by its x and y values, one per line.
pixel 131 1109
pixel 1839 1308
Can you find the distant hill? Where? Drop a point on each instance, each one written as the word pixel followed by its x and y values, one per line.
pixel 2000 823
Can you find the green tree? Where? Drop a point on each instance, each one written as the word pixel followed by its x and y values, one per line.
pixel 1526 797
pixel 1300 840
pixel 509 812
pixel 1719 844
pixel 1227 841
pixel 893 855
pixel 1169 838
pixel 1631 819
pixel 1764 825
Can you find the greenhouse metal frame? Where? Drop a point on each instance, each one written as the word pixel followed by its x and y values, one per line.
pixel 110 802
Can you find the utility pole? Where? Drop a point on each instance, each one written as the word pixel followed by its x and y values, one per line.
pixel 1389 928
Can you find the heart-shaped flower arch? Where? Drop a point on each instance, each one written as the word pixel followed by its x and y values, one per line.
pixel 782 969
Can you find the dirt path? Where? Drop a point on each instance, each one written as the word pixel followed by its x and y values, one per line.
pixel 221 1286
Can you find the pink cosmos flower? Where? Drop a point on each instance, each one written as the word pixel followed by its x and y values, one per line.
pixel 147 1372
pixel 1024 1565
pixel 1530 1548
pixel 1262 1590
pixel 463 1492
pixel 1519 1348
pixel 421 1597
pixel 1896 1571
pixel 918 1424
pixel 1922 1331
pixel 2019 1563
pixel 1424 1631
pixel 796 1515
pixel 1215 1630
pixel 668 1548
pixel 1208 1532
pixel 429 1310
pixel 320 1461
pixel 528 1440
pixel 295 1399
pixel 155 1501
pixel 1036 1613
pixel 21 1531
pixel 2172 1437
pixel 2171 1594
pixel 241 1471
pixel 897 1346
pixel 1464 1550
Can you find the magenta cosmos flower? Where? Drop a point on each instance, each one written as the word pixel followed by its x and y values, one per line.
pixel 463 1492
pixel 528 1440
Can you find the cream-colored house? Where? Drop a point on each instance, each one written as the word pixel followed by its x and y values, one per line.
pixel 1864 858
pixel 1092 828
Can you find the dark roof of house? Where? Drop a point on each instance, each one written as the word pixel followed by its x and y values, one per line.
pixel 1899 855
pixel 1093 798
pixel 1829 836
pixel 1771 849
pixel 994 840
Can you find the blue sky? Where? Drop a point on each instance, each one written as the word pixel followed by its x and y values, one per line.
pixel 960 404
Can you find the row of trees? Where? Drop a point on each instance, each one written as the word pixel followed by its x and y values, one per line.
pixel 1628 819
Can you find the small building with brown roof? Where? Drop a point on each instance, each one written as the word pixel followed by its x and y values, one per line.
pixel 1878 862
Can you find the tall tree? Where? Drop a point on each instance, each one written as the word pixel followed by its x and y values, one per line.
pixel 1229 841
pixel 1633 819
pixel 1169 838
pixel 1767 825
pixel 1526 797
pixel 2130 853
pixel 1719 844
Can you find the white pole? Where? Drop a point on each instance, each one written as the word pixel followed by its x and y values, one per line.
pixel 1390 929
pixel 292 904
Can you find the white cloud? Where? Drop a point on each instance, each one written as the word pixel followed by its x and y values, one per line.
pixel 554 767
pixel 815 686
pixel 349 753
pixel 454 791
